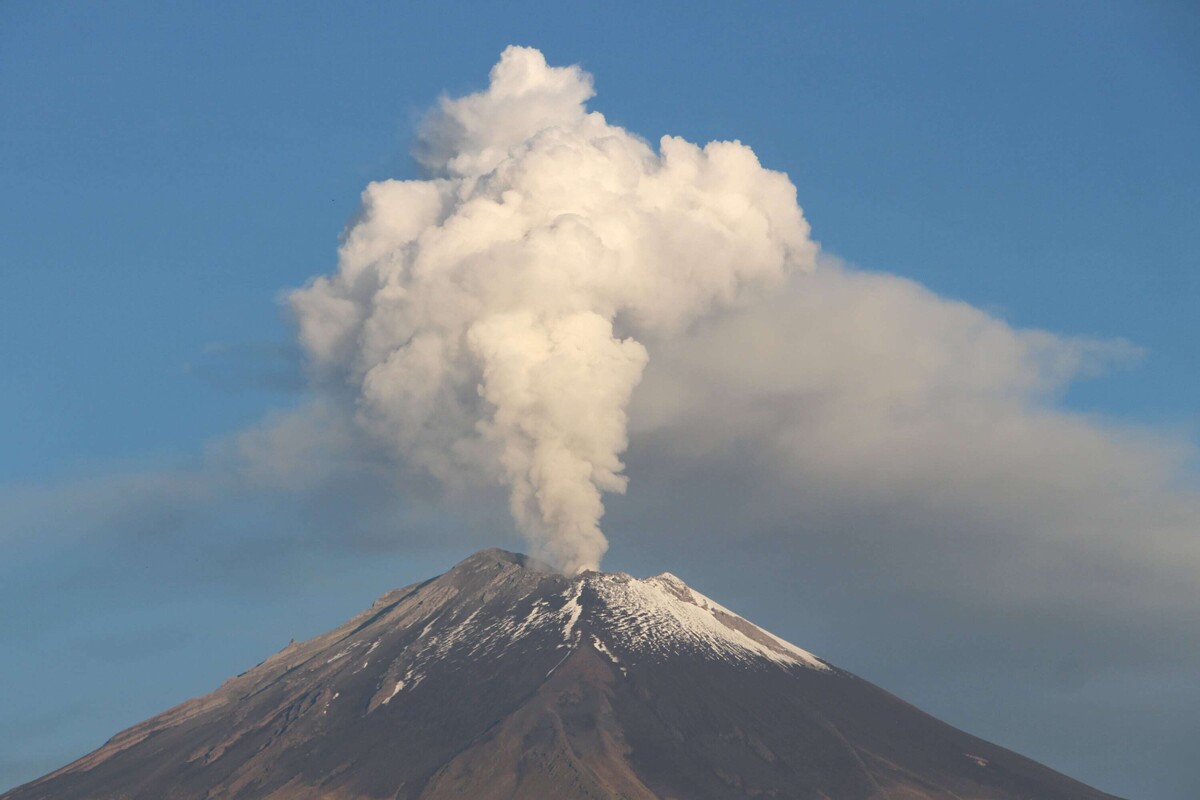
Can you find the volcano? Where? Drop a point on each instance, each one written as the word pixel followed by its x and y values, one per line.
pixel 505 679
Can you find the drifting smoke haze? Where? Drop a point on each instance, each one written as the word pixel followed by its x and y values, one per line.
pixel 493 320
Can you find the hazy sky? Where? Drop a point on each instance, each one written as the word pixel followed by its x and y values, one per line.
pixel 957 458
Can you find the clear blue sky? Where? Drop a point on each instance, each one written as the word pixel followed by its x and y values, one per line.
pixel 166 170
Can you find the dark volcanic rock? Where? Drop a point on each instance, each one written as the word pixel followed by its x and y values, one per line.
pixel 504 679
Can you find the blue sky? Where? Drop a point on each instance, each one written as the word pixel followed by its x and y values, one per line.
pixel 170 169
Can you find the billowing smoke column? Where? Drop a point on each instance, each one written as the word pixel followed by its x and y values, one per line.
pixel 494 319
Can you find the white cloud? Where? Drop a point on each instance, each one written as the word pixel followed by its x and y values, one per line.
pixel 931 435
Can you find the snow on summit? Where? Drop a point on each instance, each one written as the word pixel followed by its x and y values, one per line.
pixel 496 605
pixel 621 617
pixel 663 615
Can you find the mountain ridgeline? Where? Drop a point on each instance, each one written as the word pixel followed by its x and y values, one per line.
pixel 504 679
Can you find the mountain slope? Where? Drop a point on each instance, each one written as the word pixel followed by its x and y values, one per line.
pixel 504 679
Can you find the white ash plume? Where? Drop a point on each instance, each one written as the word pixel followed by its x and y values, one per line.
pixel 473 313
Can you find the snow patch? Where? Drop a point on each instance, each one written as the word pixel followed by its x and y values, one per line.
pixel 599 645
pixel 573 610
pixel 395 691
pixel 559 664
pixel 343 653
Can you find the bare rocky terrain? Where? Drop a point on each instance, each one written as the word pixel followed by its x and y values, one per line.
pixel 503 679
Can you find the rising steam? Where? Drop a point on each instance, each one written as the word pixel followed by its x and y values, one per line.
pixel 494 319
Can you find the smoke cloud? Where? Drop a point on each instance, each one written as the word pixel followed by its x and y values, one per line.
pixel 493 320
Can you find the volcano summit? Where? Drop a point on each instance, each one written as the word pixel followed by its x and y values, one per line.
pixel 505 679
